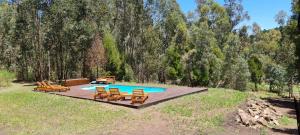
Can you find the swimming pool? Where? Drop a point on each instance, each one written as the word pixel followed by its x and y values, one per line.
pixel 126 88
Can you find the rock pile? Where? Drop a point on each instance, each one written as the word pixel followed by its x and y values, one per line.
pixel 258 113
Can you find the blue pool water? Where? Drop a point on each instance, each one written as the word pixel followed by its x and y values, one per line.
pixel 126 88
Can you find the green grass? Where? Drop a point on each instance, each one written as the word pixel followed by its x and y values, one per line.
pixel 25 112
pixel 286 121
pixel 6 78
pixel 264 94
pixel 203 111
pixel 263 90
pixel 263 131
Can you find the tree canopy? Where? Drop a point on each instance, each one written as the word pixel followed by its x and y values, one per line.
pixel 147 41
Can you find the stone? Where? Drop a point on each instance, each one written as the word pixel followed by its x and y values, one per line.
pixel 258 113
pixel 263 122
pixel 245 118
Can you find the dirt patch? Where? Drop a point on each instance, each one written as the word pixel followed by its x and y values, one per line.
pixel 144 122
pixel 2 131
pixel 231 127
pixel 285 106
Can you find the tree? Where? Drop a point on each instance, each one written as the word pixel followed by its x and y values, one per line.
pixel 152 53
pixel 7 49
pixel 203 62
pixel 296 30
pixel 256 70
pixel 235 70
pixel 177 48
pixel 276 77
pixel 236 12
pixel 256 28
pixel 280 17
pixel 146 41
pixel 243 74
pixel 96 56
pixel 113 55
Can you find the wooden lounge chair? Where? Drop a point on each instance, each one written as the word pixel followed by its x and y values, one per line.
pixel 138 96
pixel 107 80
pixel 41 87
pixel 115 95
pixel 58 86
pixel 101 81
pixel 54 89
pixel 101 93
pixel 111 79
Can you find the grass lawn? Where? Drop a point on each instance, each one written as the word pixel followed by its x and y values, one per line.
pixel 203 111
pixel 25 112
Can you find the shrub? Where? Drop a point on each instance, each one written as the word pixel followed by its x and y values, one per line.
pixel 112 52
pixel 6 78
pixel 129 74
pixel 276 76
pixel 256 70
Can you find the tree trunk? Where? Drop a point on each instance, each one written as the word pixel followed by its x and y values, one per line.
pixel 97 71
pixel 271 86
pixel 255 86
pixel 291 85
pixel 49 66
pixel 299 22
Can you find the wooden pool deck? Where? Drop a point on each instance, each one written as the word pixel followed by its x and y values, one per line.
pixel 154 98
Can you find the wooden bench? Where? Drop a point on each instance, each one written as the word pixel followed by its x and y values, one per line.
pixel 74 82
pixel 107 80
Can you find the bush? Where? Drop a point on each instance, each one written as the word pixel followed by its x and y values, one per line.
pixel 129 74
pixel 237 74
pixel 6 78
pixel 242 74
pixel 112 52
pixel 260 87
pixel 276 76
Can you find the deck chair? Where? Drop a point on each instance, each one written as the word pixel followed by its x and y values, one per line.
pixel 41 87
pixel 111 79
pixel 138 96
pixel 58 86
pixel 53 89
pixel 101 93
pixel 115 95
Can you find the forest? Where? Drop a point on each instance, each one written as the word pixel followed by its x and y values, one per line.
pixel 148 41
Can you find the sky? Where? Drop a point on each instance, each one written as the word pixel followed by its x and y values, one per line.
pixel 260 11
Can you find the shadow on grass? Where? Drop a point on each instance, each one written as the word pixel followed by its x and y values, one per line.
pixel 25 83
pixel 286 131
pixel 281 102
pixel 29 85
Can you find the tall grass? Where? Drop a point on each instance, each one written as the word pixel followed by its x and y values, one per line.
pixel 6 78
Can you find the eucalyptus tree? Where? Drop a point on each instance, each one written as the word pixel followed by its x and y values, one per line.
pixel 176 49
pixel 295 20
pixel 28 35
pixel 236 12
pixel 217 18
pixel 203 62
pixel 7 49
pixel 235 70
